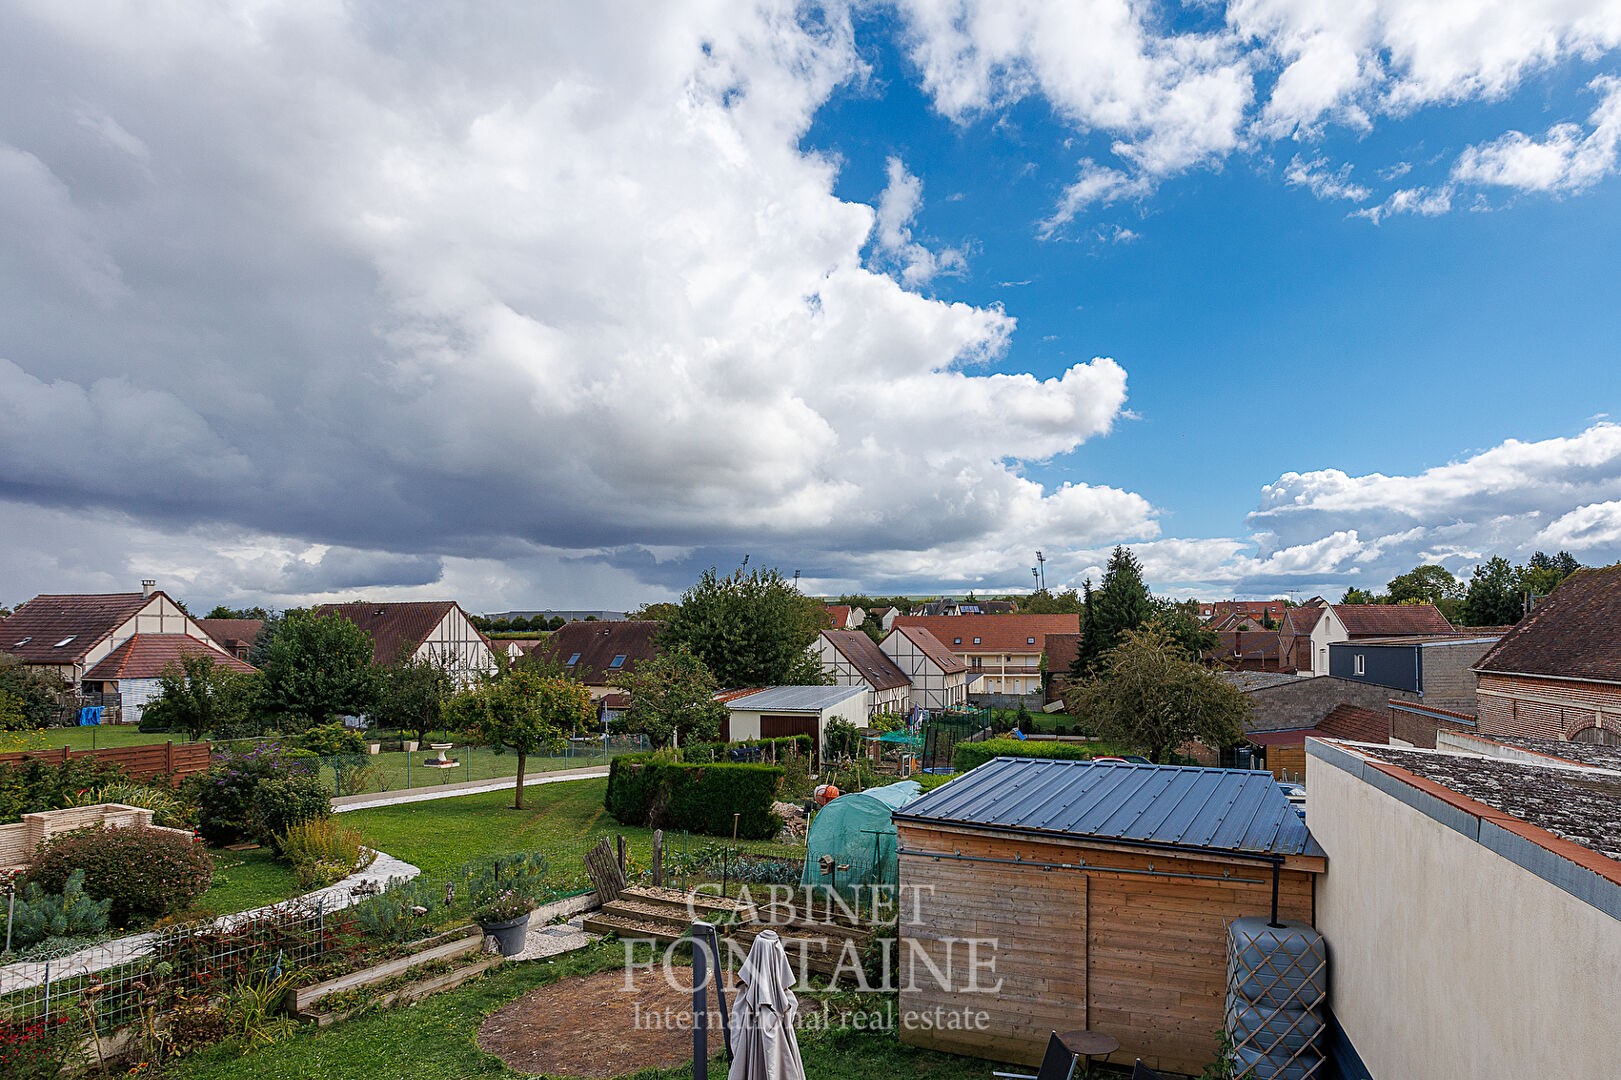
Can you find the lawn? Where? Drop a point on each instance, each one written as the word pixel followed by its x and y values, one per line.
pixel 435 1040
pixel 244 880
pixel 558 820
pixel 101 736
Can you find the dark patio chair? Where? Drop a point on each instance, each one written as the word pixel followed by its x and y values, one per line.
pixel 1057 1064
pixel 1140 1071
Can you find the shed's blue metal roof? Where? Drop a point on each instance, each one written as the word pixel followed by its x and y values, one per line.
pixel 795 698
pixel 1220 809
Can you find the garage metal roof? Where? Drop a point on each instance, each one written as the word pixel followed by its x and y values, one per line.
pixel 796 698
pixel 1169 805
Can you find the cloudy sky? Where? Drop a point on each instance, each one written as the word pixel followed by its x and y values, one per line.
pixel 555 304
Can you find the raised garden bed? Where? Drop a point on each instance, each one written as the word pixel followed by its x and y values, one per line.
pixel 463 945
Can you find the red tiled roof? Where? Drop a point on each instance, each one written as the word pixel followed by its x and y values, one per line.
pixel 598 643
pixel 1302 620
pixel 397 629
pixel 947 661
pixel 839 614
pixel 878 669
pixel 1575 633
pixel 1247 644
pixel 232 632
pixel 1392 620
pixel 78 621
pixel 1356 724
pixel 997 633
pixel 144 656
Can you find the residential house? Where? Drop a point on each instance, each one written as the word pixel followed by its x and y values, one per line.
pixel 1230 614
pixel 1244 650
pixel 69 635
pixel 1348 622
pixel 1557 673
pixel 845 617
pixel 851 658
pixel 1439 668
pixel 885 617
pixel 600 654
pixel 435 630
pixel 1003 652
pixel 133 671
pixel 235 636
pixel 1294 635
pixel 1472 907
pixel 938 677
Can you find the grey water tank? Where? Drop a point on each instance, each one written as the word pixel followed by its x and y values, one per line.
pixel 1277 987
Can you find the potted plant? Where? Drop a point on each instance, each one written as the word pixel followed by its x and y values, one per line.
pixel 410 745
pixel 504 915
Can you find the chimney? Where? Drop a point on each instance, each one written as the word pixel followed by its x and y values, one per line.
pixel 148 586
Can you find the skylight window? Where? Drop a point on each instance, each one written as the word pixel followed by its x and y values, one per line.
pixel 575 659
pixel 1029 641
pixel 618 661
pixel 64 641
pixel 976 641
pixel 956 641
pixel 24 641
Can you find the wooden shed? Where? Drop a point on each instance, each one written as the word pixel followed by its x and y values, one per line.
pixel 1102 893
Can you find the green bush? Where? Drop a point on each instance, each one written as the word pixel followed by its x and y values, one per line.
pixel 331 740
pixel 279 804
pixel 225 794
pixel 27 787
pixel 145 872
pixel 840 739
pixel 971 755
pixel 168 809
pixel 644 790
pixel 70 913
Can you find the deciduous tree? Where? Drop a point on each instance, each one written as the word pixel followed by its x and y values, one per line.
pixel 750 628
pixel 1148 694
pixel 318 666
pixel 522 713
pixel 672 699
pixel 411 695
pixel 197 695
pixel 1494 597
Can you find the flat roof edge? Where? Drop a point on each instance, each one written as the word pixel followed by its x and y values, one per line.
pixel 1583 873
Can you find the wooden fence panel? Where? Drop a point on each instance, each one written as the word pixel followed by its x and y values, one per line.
pixel 141 762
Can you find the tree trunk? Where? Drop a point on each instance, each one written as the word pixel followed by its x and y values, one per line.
pixel 517 792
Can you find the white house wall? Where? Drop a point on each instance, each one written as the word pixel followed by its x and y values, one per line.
pixel 458 640
pixel 159 615
pixel 931 687
pixel 1328 630
pixel 1451 962
pixel 837 666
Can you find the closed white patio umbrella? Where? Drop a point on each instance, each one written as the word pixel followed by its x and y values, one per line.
pixel 763 1042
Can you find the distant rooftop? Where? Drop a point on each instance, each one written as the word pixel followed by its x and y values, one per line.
pixel 1595 754
pixel 1256 680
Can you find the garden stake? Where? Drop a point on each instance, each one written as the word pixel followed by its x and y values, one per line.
pixel 11 906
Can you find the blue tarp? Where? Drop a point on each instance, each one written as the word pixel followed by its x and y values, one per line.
pixel 90 715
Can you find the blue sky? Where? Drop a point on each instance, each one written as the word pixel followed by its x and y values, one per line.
pixel 535 307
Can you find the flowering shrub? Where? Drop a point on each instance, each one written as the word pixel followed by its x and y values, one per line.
pixel 225 795
pixel 144 872
pixel 36 1050
pixel 502 906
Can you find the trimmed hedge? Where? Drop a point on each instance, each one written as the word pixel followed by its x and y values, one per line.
pixel 971 755
pixel 644 790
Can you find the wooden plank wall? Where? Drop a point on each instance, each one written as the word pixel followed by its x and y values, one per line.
pixel 1140 957
pixel 1287 762
pixel 141 762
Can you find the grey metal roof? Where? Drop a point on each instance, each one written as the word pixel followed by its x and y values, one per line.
pixel 795 698
pixel 1218 809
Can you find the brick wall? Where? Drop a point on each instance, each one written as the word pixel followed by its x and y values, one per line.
pixel 1419 724
pixel 1544 708
pixel 1303 702
pixel 1449 679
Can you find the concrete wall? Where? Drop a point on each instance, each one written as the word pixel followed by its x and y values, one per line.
pixel 1303 702
pixel 1449 961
